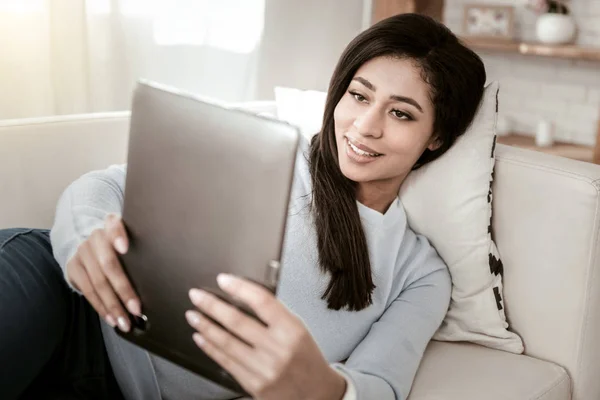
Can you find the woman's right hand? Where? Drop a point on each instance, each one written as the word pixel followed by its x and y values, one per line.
pixel 97 273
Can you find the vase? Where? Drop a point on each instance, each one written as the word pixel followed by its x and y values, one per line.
pixel 555 28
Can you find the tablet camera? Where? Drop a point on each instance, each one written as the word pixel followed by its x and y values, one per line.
pixel 140 324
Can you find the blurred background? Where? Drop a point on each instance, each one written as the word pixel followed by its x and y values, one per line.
pixel 80 56
pixel 77 56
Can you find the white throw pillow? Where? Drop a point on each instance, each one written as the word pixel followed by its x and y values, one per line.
pixel 302 108
pixel 449 202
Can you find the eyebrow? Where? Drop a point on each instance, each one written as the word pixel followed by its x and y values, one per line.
pixel 402 99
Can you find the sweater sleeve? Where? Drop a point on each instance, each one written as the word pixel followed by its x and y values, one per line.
pixel 82 208
pixel 384 364
pixel 350 393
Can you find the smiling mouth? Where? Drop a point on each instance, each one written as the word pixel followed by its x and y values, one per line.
pixel 359 151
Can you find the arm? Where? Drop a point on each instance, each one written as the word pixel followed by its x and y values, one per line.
pixel 384 364
pixel 83 207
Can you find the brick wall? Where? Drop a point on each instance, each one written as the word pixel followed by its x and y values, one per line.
pixel 565 92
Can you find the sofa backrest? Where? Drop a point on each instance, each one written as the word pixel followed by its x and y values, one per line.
pixel 40 157
pixel 546 218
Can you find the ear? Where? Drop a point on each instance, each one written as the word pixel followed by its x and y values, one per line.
pixel 434 143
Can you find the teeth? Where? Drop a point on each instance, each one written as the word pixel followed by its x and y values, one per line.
pixel 361 152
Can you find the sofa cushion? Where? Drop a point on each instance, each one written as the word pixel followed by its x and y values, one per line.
pixel 466 371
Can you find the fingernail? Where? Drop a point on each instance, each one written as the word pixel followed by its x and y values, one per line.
pixel 224 280
pixel 120 245
pixel 123 324
pixel 198 339
pixel 192 318
pixel 110 320
pixel 134 307
pixel 197 296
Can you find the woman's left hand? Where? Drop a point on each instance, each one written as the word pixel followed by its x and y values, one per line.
pixel 277 361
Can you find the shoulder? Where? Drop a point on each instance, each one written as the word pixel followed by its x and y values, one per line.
pixel 302 182
pixel 419 258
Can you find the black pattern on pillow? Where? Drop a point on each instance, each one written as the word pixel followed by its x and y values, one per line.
pixel 496 266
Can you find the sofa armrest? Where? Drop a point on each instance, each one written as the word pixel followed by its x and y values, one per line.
pixel 546 216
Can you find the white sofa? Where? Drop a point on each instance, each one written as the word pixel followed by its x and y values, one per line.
pixel 546 224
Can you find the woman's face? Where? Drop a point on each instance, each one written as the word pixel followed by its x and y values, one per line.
pixel 384 122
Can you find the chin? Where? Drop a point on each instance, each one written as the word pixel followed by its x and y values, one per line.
pixel 358 173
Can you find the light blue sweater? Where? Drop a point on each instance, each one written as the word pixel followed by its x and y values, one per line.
pixel 379 348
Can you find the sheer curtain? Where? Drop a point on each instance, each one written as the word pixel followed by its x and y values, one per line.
pixel 78 56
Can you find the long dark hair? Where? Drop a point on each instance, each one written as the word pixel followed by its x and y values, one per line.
pixel 456 77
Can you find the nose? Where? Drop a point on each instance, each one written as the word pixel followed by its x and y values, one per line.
pixel 369 124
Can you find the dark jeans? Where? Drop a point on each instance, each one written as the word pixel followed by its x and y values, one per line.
pixel 51 346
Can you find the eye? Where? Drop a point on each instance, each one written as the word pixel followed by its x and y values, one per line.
pixel 358 97
pixel 401 115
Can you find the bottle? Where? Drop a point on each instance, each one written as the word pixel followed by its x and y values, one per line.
pixel 544 136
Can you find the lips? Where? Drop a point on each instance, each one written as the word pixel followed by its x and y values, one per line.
pixel 358 156
pixel 362 147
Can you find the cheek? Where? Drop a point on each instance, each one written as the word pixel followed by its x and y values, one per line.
pixel 410 143
pixel 343 115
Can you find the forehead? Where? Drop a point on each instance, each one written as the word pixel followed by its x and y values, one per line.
pixel 397 76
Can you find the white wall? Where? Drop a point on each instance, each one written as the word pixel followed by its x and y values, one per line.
pixel 566 92
pixel 303 41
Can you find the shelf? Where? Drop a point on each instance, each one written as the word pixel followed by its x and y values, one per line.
pixel 568 150
pixel 386 8
pixel 571 52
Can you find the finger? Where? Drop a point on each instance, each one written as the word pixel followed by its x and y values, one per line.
pixel 262 302
pixel 80 276
pixel 116 233
pixel 245 378
pixel 235 321
pixel 110 265
pixel 228 344
pixel 103 288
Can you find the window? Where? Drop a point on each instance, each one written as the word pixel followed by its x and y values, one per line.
pixel 21 6
pixel 233 25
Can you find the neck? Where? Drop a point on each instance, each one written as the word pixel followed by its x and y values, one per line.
pixel 377 196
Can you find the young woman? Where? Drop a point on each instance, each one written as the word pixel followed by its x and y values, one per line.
pixel 361 294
